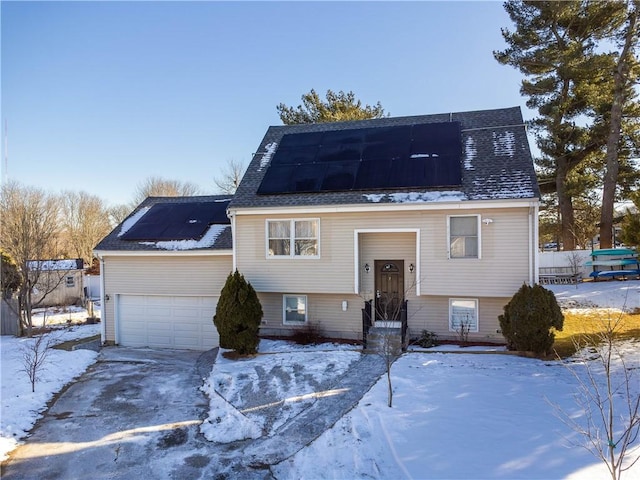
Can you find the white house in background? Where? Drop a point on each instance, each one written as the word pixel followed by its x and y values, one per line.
pixel 58 282
pixel 428 221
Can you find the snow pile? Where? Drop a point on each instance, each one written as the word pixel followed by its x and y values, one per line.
pixel 132 220
pixel 207 240
pixel 255 396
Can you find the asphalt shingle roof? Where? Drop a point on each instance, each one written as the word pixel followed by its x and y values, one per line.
pixel 496 163
pixel 221 233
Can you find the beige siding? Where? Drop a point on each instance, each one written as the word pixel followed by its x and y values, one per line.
pixel 424 313
pixel 57 292
pixel 504 265
pixel 169 275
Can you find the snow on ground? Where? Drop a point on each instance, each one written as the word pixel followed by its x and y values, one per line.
pixel 455 415
pixel 19 407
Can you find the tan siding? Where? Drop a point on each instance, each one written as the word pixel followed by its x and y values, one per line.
pixel 504 265
pixel 171 275
pixel 425 313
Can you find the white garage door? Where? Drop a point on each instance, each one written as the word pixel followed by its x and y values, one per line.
pixel 167 321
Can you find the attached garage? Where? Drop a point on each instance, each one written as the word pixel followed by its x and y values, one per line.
pixel 162 271
pixel 159 321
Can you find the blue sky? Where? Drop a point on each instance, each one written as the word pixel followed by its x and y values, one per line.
pixel 98 96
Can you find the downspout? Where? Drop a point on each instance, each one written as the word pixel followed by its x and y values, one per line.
pixel 533 245
pixel 103 305
pixel 232 217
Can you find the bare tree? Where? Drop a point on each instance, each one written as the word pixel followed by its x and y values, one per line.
pixel 230 176
pixel 85 220
pixel 605 393
pixel 161 187
pixel 34 356
pixel 118 213
pixel 29 230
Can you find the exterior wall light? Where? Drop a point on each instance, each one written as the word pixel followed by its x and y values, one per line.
pixel 487 221
pixel 411 268
pixel 367 267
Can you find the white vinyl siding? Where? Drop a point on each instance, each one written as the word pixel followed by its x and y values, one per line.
pixel 294 309
pixel 464 236
pixel 463 312
pixel 293 238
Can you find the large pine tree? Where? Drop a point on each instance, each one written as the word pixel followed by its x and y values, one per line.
pixel 338 107
pixel 567 80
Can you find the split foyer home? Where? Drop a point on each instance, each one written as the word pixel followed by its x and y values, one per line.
pixel 425 222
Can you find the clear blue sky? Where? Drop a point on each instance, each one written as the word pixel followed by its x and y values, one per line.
pixel 98 96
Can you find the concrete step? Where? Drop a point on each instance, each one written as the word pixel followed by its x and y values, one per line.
pixel 380 340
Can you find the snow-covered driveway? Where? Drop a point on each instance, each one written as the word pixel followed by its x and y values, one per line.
pixel 134 414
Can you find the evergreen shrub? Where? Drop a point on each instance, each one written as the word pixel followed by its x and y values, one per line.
pixel 528 319
pixel 238 315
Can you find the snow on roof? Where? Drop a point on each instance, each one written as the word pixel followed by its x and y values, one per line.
pixel 417 197
pixel 266 156
pixel 53 265
pixel 207 240
pixel 132 220
pixel 504 144
pixel 471 151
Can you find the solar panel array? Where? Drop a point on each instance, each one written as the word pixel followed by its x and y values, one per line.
pixel 178 221
pixel 408 156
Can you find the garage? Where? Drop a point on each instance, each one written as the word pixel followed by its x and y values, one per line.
pixel 164 321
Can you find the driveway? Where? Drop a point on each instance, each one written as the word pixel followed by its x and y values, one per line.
pixel 134 414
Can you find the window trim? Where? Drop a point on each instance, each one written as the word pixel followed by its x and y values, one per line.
pixel 479 236
pixel 284 308
pixel 292 238
pixel 477 310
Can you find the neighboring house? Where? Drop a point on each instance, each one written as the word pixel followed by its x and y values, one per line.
pixel 162 271
pixel 59 282
pixel 438 210
pixel 435 213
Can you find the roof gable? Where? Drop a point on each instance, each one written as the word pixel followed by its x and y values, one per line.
pixel 488 155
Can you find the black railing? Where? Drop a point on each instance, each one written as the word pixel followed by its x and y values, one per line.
pixel 366 321
pixel 403 324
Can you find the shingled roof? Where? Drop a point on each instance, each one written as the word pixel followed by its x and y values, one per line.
pixel 216 237
pixel 496 163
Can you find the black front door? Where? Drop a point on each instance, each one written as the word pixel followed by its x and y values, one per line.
pixel 389 289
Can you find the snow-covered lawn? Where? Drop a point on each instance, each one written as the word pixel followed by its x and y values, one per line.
pixel 19 407
pixel 455 415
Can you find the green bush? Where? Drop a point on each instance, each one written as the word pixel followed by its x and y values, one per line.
pixel 528 319
pixel 238 315
pixel 427 339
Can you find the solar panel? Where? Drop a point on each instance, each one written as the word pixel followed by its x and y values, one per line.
pixel 405 156
pixel 178 221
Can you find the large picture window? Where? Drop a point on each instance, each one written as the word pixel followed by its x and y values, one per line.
pixel 464 241
pixel 463 313
pixel 292 238
pixel 294 309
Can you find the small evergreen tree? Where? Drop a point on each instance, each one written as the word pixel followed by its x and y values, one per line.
pixel 9 275
pixel 238 315
pixel 528 318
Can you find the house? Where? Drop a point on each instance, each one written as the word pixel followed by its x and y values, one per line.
pixel 162 271
pixel 57 282
pixel 426 222
pixel 438 211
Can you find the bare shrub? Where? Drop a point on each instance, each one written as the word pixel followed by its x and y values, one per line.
pixel 34 355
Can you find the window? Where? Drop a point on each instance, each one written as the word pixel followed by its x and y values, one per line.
pixel 294 309
pixel 292 238
pixel 70 281
pixel 463 312
pixel 463 237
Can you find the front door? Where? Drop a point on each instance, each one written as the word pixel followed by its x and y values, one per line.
pixel 389 289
